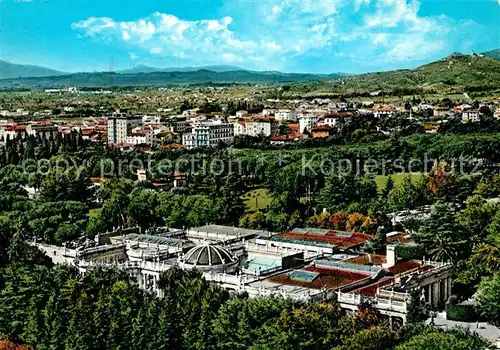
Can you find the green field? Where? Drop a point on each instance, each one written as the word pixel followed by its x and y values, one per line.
pixel 259 198
pixel 256 199
pixel 94 212
pixel 380 180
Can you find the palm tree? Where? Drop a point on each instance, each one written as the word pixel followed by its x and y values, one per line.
pixel 487 256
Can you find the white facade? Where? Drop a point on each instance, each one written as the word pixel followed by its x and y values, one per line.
pixel 137 138
pixel 382 112
pixel 285 115
pixel 119 126
pixel 269 111
pixel 307 121
pixel 497 113
pixel 239 128
pixel 333 118
pixel 470 115
pixel 209 134
pixel 256 128
pixel 241 114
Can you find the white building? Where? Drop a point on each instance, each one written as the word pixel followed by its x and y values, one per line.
pixel 151 119
pixel 497 113
pixel 255 127
pixel 137 138
pixel 307 121
pixel 380 112
pixel 285 115
pixel 269 111
pixel 241 114
pixel 471 115
pixel 188 140
pixel 209 134
pixel 332 119
pixel 119 125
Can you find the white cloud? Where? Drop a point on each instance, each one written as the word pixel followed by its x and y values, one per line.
pixel 94 25
pixel 133 56
pixel 367 30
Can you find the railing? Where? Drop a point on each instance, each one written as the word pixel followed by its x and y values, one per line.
pixel 262 273
pixel 389 304
pixel 100 249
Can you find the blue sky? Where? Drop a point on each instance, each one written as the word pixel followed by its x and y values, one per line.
pixel 321 36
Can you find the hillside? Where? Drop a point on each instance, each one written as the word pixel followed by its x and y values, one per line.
pixel 453 72
pixel 494 54
pixel 157 78
pixel 11 70
pixel 148 69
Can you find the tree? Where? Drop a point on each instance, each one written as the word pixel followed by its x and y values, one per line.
pixel 374 338
pixel 442 238
pixel 456 339
pixel 388 187
pixel 440 179
pixel 416 307
pixel 488 298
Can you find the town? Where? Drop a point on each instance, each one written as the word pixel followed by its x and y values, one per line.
pixel 278 122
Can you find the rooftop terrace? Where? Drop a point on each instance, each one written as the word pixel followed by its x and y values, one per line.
pixel 318 278
pixel 339 238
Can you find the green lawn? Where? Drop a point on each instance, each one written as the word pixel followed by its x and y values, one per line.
pixel 398 178
pixel 256 199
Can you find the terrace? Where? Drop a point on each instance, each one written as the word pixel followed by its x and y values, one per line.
pixel 371 289
pixel 342 239
pixel 369 260
pixel 320 278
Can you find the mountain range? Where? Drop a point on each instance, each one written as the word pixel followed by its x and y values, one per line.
pixel 149 69
pixel 11 70
pixel 482 69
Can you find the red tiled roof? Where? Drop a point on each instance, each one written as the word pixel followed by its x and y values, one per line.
pixel 368 259
pixel 371 289
pixel 329 278
pixel 331 237
pixel 171 146
pixel 287 137
pixel 409 265
pixel 87 132
pixel 322 127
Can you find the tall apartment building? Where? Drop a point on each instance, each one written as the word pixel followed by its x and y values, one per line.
pixel 119 125
pixel 208 134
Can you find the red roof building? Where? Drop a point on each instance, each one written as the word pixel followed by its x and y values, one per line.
pixel 339 238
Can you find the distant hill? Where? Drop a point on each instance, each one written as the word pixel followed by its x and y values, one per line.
pixel 455 71
pixel 148 69
pixel 11 70
pixel 494 54
pixel 158 78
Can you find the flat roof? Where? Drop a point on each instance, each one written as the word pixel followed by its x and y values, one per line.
pixel 225 230
pixel 368 259
pixel 280 238
pixel 318 277
pixel 160 240
pixel 339 238
pixel 371 289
